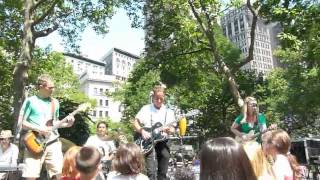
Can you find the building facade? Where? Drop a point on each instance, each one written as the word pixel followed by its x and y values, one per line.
pixel 119 63
pixel 236 26
pixel 99 77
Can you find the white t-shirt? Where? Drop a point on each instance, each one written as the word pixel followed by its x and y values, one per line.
pixel 10 156
pixel 113 175
pixel 105 147
pixel 282 168
pixel 149 113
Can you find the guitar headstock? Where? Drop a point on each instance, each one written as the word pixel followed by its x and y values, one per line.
pixel 273 127
pixel 84 107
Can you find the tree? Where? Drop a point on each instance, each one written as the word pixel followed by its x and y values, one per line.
pixel 294 90
pixel 7 64
pixel 192 30
pixel 40 18
pixel 185 45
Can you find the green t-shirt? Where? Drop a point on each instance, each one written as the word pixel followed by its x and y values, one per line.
pixel 246 127
pixel 38 111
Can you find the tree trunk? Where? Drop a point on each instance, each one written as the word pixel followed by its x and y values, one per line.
pixel 20 73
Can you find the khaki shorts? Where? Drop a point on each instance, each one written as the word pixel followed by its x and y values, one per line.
pixel 52 157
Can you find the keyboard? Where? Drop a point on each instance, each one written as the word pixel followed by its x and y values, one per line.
pixel 10 168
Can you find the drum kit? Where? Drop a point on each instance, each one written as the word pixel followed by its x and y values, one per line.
pixel 183 162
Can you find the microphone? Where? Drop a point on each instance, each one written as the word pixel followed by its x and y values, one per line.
pixel 182 126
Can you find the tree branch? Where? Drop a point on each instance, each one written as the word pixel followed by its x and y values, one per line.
pixel 213 48
pixel 37 4
pixel 192 52
pixel 45 14
pixel 195 13
pixel 252 36
pixel 45 32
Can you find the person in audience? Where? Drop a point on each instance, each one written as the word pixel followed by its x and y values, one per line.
pixel 223 158
pixel 88 163
pixel 285 164
pixel 8 151
pixel 69 171
pixel 260 164
pixel 102 141
pixel 128 163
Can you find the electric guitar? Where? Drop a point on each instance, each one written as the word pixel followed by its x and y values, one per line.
pixel 36 143
pixel 157 134
pixel 251 136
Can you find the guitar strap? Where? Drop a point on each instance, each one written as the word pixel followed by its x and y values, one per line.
pixel 165 117
pixel 50 122
pixel 52 110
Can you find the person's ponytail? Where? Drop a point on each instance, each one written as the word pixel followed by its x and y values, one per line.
pixel 294 166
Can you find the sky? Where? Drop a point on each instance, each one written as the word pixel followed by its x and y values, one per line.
pixel 93 46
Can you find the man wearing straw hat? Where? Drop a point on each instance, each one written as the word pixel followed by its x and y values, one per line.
pixel 8 151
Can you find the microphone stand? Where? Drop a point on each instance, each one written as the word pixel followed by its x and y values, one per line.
pixel 155 168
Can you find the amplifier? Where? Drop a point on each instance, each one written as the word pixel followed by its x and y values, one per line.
pixel 306 150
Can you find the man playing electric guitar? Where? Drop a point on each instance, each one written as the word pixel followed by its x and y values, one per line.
pixel 249 121
pixel 149 115
pixel 38 114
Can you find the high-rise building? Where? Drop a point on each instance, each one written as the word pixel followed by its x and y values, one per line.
pixel 119 63
pixel 99 77
pixel 236 26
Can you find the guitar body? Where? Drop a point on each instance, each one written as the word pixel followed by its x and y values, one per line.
pixel 253 136
pixel 250 134
pixel 156 136
pixel 34 142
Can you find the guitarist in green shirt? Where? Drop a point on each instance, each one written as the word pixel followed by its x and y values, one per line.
pixel 250 124
pixel 38 115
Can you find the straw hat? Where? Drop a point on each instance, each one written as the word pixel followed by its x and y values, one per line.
pixel 6 134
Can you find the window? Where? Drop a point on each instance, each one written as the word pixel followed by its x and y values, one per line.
pixel 95 90
pixel 106 102
pixel 225 31
pixel 229 30
pixel 123 65
pixel 94 113
pixel 106 114
pixel 100 102
pixel 100 113
pixel 118 63
pixel 101 91
pixel 236 27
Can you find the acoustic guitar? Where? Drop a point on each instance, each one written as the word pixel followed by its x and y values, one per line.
pixel 36 143
pixel 251 136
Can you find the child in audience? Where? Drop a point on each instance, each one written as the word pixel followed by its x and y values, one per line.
pixel 128 163
pixel 88 163
pixel 69 171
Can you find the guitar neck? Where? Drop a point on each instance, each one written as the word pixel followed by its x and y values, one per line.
pixel 58 125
